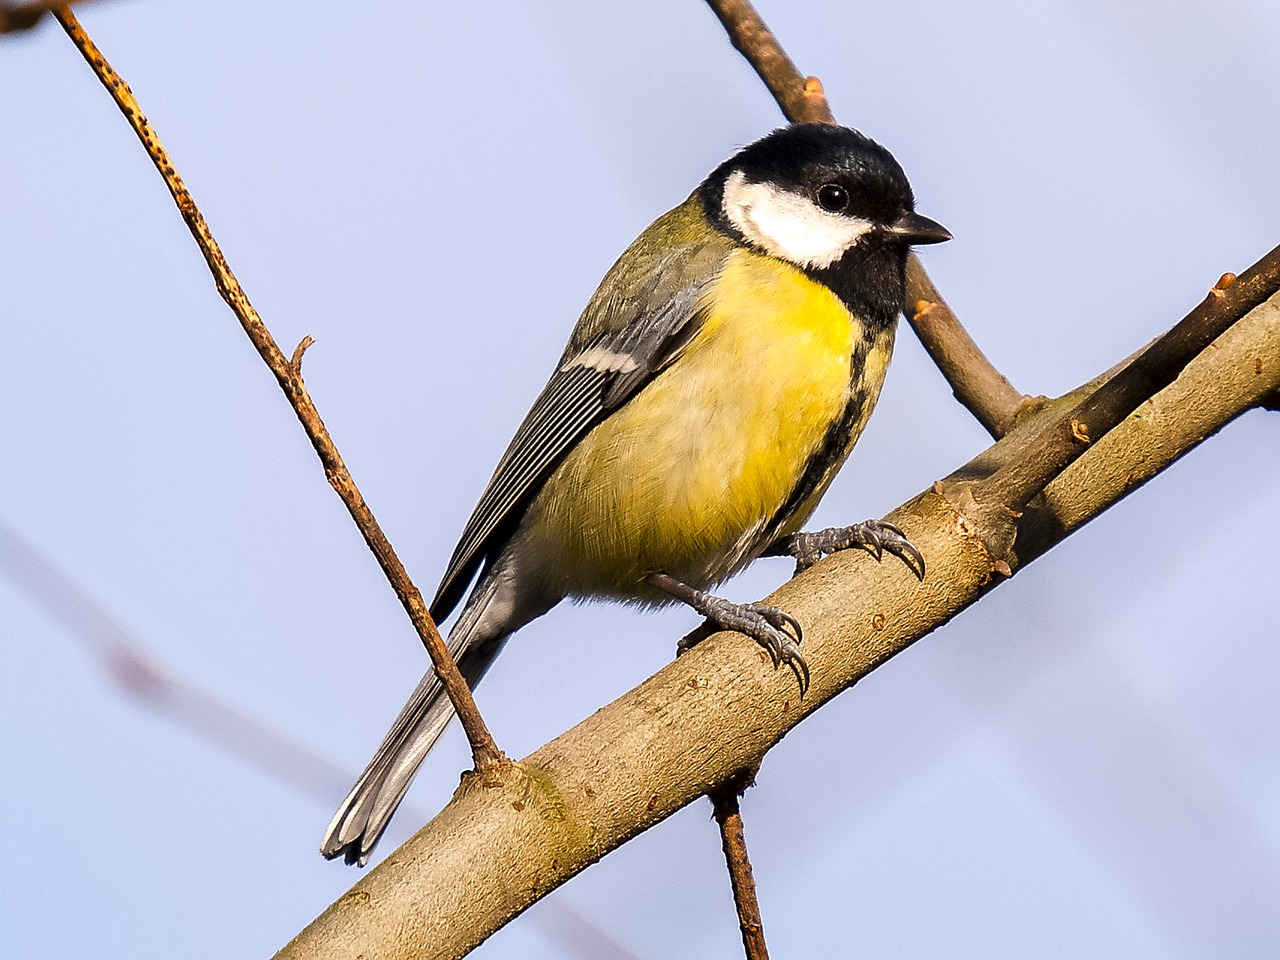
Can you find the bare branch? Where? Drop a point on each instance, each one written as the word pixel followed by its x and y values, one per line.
pixel 1015 483
pixel 288 374
pixel 801 98
pixel 729 816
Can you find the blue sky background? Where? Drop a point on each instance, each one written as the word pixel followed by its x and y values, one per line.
pixel 1085 764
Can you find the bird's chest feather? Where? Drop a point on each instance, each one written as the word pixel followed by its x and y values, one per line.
pixel 767 375
pixel 687 475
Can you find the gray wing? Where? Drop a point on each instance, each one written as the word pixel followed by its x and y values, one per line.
pixel 619 345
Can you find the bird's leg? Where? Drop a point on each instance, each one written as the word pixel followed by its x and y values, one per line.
pixel 877 537
pixel 775 630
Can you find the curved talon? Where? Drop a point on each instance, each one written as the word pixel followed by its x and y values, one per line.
pixel 778 618
pixel 779 645
pixel 891 527
pixel 801 669
pixel 906 551
pixel 897 544
pixel 797 630
pixel 777 631
pixel 877 537
pixel 772 644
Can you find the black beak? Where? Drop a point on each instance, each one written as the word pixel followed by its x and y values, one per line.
pixel 913 228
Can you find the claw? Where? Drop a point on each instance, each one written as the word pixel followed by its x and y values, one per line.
pixel 890 527
pixel 778 642
pixel 777 631
pixel 779 618
pixel 771 643
pixel 792 658
pixel 877 537
pixel 797 630
pixel 906 551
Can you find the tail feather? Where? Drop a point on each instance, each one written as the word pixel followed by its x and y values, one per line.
pixel 363 815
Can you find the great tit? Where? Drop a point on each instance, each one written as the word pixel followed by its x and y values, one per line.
pixel 711 389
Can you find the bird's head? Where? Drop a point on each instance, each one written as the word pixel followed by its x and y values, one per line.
pixel 812 193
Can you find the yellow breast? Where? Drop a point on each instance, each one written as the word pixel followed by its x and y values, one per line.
pixel 686 477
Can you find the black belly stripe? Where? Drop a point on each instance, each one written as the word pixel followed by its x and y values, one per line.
pixel 870 280
pixel 822 461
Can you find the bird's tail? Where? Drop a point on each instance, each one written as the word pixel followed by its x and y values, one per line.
pixel 364 814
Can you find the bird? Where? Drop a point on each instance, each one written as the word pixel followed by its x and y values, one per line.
pixel 712 387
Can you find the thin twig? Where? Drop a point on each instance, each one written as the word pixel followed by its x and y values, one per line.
pixel 801 98
pixel 978 385
pixel 1015 483
pixel 728 815
pixel 484 751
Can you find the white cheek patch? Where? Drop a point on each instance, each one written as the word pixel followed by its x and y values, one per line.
pixel 788 225
pixel 605 361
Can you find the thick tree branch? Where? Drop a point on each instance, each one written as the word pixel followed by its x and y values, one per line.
pixel 288 374
pixel 498 847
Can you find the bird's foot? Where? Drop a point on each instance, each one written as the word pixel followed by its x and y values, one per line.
pixel 877 537
pixel 774 629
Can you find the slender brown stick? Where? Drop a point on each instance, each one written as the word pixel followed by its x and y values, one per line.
pixel 978 385
pixel 288 374
pixel 727 813
pixel 801 98
pixel 1016 482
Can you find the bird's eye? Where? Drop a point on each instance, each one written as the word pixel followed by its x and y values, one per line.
pixel 832 197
